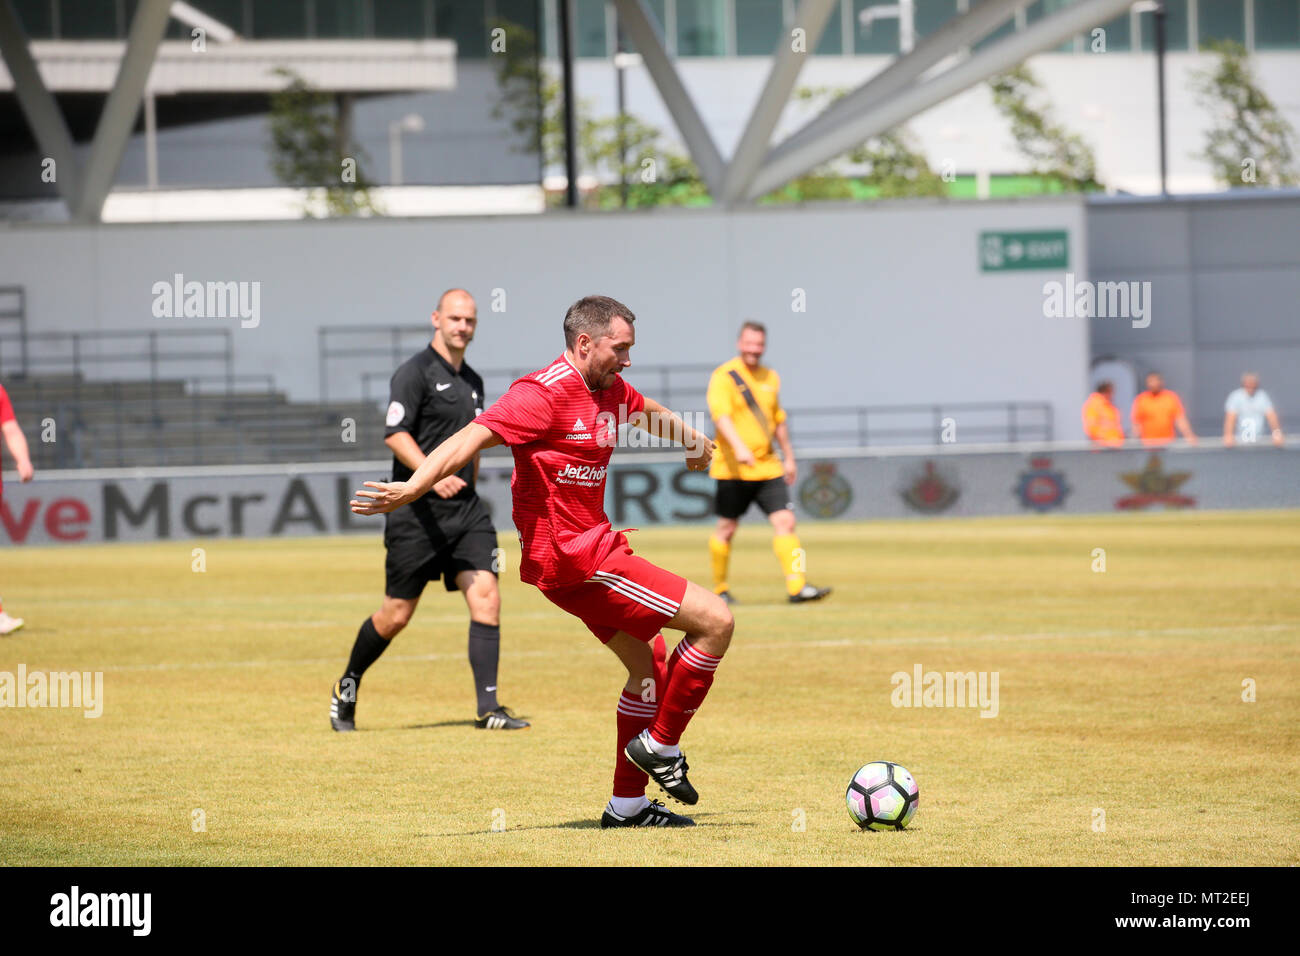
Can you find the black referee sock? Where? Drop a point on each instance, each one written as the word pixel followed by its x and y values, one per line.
pixel 484 652
pixel 369 645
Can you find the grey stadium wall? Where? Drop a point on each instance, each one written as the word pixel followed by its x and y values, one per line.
pixel 1225 286
pixel 866 304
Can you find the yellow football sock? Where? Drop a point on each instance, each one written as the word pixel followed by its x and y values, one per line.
pixel 792 561
pixel 719 554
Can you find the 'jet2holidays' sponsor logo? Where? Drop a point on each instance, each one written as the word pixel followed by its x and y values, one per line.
pixel 134 910
pixel 208 300
pixel 580 474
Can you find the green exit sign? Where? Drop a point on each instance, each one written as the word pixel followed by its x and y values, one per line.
pixel 1005 251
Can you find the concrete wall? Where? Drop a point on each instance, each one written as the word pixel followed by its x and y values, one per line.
pixel 897 310
pixel 1225 284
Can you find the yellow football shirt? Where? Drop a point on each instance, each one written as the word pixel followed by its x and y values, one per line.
pixel 725 399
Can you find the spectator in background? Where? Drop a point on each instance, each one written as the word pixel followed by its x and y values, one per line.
pixel 1245 412
pixel 1157 412
pixel 17 443
pixel 1101 420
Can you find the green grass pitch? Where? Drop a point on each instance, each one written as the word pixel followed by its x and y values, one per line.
pixel 1122 735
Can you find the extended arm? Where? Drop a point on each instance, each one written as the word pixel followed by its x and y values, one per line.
pixel 17 443
pixel 659 421
pixel 447 459
pixel 1185 427
pixel 1229 427
pixel 409 454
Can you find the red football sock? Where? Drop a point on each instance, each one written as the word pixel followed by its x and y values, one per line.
pixel 634 716
pixel 690 675
pixel 659 650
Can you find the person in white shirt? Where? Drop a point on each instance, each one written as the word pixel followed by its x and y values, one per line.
pixel 1245 414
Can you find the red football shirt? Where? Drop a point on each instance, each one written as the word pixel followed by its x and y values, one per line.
pixel 562 436
pixel 6 415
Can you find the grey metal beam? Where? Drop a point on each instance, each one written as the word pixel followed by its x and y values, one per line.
pixel 38 105
pixel 639 24
pixel 811 17
pixel 1002 56
pixel 958 32
pixel 121 106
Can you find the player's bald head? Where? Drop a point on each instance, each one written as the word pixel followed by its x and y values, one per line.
pixel 457 300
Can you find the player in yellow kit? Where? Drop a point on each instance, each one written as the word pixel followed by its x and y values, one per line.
pixel 745 402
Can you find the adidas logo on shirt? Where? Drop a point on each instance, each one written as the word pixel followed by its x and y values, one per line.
pixel 579 432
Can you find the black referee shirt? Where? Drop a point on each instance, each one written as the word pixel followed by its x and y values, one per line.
pixel 431 401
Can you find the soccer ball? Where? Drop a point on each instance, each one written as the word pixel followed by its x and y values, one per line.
pixel 882 796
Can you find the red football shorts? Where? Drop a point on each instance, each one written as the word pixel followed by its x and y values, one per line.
pixel 625 593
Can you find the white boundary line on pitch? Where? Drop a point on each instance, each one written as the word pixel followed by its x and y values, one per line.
pixel 760 645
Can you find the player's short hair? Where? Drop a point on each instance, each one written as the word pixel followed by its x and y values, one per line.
pixel 1105 387
pixel 755 326
pixel 593 314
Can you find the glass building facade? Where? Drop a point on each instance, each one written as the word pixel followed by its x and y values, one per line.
pixel 692 28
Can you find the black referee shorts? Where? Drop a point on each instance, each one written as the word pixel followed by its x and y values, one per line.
pixel 734 496
pixel 414 560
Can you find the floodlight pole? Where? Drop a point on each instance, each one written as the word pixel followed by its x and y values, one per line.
pixel 570 144
pixel 622 110
pixel 1159 14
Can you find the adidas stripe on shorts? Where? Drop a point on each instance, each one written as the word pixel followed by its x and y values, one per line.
pixel 626 593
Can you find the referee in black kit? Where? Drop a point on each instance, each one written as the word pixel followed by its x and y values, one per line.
pixel 446 534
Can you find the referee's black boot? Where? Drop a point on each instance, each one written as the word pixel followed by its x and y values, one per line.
pixel 503 718
pixel 343 704
pixel 809 593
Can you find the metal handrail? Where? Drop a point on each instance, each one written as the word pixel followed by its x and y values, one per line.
pixel 18 313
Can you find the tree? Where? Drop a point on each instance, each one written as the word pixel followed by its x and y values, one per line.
pixel 312 147
pixel 1054 151
pixel 530 97
pixel 623 149
pixel 893 165
pixel 653 174
pixel 1249 142
pixel 533 102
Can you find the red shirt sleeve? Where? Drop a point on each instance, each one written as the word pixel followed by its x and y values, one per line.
pixel 522 415
pixel 6 407
pixel 633 399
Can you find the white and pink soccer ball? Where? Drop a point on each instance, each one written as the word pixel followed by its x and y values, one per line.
pixel 882 796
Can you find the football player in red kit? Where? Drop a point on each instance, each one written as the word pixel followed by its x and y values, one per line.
pixel 17 442
pixel 562 423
